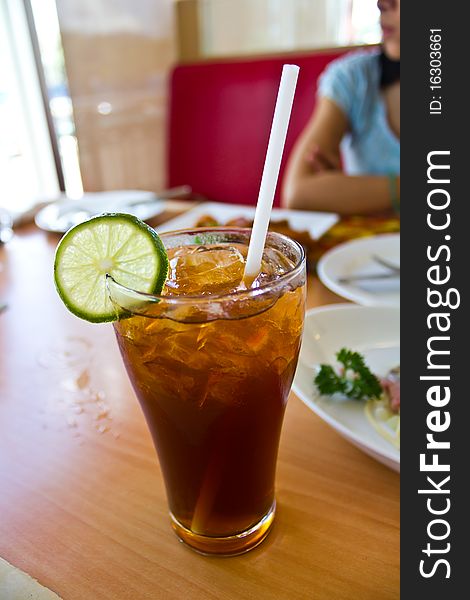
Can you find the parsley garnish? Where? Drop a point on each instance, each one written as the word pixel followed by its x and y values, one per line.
pixel 355 380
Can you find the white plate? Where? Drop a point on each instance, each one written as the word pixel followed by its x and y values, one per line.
pixel 372 331
pixel 59 216
pixel 316 223
pixel 355 258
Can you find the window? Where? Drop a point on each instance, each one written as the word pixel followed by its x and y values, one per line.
pixel 27 168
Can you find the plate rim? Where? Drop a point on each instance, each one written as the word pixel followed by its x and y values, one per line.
pixel 340 289
pixel 389 454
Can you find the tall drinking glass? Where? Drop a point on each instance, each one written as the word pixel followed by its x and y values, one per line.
pixel 212 364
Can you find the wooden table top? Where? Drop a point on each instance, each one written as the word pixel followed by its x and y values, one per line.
pixel 82 501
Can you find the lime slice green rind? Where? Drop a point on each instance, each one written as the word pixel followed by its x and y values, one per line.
pixel 118 244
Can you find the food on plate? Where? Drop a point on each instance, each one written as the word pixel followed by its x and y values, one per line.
pixel 353 379
pixel 384 412
pixel 206 221
pixel 282 226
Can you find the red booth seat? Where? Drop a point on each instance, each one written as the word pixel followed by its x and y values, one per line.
pixel 220 120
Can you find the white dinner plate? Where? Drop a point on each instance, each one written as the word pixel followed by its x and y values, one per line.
pixel 62 214
pixel 316 223
pixel 372 331
pixel 355 258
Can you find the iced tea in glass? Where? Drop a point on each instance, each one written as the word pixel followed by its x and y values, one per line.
pixel 212 364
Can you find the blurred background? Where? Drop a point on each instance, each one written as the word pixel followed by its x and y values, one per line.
pixel 84 83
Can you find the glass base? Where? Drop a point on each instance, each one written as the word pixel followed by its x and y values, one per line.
pixel 226 546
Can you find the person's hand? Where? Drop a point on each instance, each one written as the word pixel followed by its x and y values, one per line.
pixel 320 160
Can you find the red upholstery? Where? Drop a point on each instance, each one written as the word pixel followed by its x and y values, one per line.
pixel 220 120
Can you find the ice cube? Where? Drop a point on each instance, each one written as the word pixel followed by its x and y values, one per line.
pixel 205 270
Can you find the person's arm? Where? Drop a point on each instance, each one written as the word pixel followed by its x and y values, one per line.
pixel 313 178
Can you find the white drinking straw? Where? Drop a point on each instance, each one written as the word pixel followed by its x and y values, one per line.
pixel 272 164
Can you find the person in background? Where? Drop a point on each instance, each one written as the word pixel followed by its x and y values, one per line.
pixel 347 160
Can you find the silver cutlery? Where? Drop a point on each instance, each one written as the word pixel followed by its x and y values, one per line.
pixel 385 263
pixel 369 276
pixel 393 271
pixel 81 212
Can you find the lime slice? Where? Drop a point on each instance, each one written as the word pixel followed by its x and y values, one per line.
pixel 118 244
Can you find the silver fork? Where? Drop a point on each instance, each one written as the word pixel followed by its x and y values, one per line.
pixel 182 191
pixel 369 276
pixel 70 216
pixel 393 271
pixel 385 263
